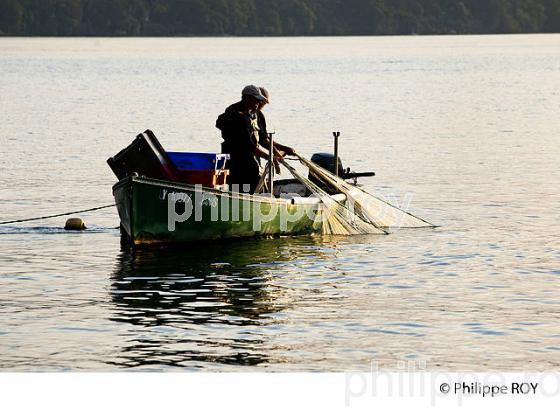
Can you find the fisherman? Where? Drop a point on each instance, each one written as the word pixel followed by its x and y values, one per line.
pixel 240 130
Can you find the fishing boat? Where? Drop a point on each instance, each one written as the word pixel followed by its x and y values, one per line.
pixel 152 211
pixel 156 206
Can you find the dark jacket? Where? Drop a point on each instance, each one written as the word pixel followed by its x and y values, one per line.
pixel 237 131
pixel 240 133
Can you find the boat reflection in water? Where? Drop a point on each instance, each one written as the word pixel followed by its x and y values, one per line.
pixel 205 306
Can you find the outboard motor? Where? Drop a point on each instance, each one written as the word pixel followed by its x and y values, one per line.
pixel 326 160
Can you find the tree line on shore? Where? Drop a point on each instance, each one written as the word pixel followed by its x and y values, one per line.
pixel 275 17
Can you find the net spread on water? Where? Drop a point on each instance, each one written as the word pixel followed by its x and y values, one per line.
pixel 360 213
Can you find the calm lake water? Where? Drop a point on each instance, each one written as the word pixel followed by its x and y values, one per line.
pixel 465 128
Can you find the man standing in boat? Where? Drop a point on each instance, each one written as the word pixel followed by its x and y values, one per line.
pixel 241 133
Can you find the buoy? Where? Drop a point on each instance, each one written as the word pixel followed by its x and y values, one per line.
pixel 75 224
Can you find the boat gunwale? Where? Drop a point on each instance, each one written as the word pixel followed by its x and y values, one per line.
pixel 231 194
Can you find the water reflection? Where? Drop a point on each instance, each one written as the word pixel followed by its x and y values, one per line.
pixel 204 304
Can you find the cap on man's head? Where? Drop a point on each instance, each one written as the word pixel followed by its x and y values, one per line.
pixel 253 91
pixel 265 93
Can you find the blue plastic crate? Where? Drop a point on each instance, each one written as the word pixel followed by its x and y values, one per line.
pixel 197 161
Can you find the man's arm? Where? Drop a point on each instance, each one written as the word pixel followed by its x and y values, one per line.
pixel 262 153
pixel 285 148
pixel 265 142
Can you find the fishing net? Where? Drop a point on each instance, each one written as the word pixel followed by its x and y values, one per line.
pixel 367 207
pixel 337 217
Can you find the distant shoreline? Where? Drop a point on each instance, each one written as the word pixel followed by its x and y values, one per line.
pixel 284 36
pixel 275 18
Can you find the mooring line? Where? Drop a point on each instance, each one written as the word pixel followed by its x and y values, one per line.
pixel 54 216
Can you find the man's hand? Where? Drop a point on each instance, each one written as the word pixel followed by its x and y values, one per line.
pixel 288 150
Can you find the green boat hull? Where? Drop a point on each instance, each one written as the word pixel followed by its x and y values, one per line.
pixel 153 212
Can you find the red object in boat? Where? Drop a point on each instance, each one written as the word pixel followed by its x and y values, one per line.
pixel 212 178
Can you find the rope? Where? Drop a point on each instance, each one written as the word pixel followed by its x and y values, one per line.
pixel 54 216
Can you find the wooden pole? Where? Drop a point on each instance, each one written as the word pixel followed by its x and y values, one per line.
pixel 271 164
